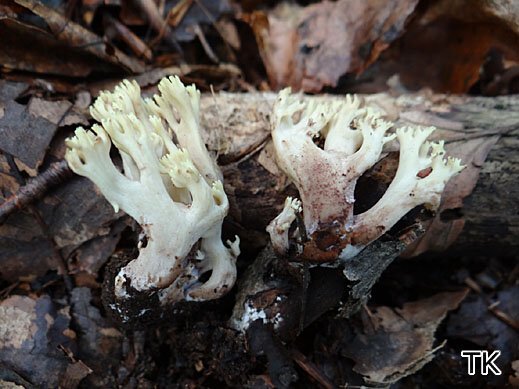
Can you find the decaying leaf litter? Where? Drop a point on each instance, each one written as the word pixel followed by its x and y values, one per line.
pixel 57 232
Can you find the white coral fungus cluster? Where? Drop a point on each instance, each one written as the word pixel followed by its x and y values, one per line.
pixel 324 147
pixel 170 185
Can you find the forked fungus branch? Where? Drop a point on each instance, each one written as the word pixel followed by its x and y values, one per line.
pixel 352 139
pixel 170 185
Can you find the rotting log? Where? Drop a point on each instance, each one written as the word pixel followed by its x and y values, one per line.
pixel 237 128
pixel 480 213
pixel 491 212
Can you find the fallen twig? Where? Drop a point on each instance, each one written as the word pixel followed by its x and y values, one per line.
pixel 139 48
pixel 312 370
pixel 149 8
pixel 35 188
pixel 503 316
pixel 492 306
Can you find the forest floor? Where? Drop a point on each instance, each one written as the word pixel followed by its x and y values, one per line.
pixel 403 311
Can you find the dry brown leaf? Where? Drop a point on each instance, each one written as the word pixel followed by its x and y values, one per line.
pixel 46 54
pixel 446 54
pixel 74 374
pixel 446 45
pixel 77 36
pixel 504 11
pixel 312 47
pixel 65 48
pixel 399 342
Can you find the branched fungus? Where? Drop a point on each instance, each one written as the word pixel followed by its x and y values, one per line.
pixel 352 138
pixel 170 185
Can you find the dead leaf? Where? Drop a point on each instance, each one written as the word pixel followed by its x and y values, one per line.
pixel 26 251
pixel 505 11
pixel 311 48
pixel 30 332
pixel 99 342
pixel 77 36
pixel 46 54
pixel 22 134
pixel 74 374
pixel 76 212
pixel 475 323
pixel 446 54
pixel 77 218
pixel 60 113
pixel 93 254
pixel 401 340
pixel 10 91
pixel 57 44
pixel 447 45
